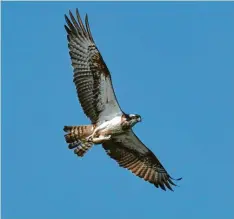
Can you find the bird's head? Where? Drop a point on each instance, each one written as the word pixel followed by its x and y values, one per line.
pixel 133 119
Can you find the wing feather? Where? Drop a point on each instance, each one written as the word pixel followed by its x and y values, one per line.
pixel 132 154
pixel 91 75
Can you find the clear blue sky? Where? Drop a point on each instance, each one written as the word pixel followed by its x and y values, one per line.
pixel 172 63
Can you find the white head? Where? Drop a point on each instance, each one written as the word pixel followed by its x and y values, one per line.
pixel 133 119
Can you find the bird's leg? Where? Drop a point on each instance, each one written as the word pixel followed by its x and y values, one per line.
pixel 97 137
pixel 90 138
pixel 100 139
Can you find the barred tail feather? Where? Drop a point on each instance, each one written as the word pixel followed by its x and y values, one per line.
pixel 76 133
pixel 83 148
pixel 76 136
pixel 81 130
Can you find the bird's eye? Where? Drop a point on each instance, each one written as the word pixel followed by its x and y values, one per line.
pixel 127 117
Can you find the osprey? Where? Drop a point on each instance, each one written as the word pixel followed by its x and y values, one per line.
pixel 110 126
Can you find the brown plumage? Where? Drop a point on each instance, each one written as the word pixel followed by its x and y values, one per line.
pixel 83 148
pixel 98 101
pixel 78 132
pixel 90 70
pixel 138 159
pixel 76 138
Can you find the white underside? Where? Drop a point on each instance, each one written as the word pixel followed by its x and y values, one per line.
pixel 113 125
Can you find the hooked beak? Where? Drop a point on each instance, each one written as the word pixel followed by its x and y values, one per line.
pixel 139 119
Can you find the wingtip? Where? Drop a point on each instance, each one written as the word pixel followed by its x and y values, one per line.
pixel 86 18
pixel 88 28
pixel 77 12
pixel 67 29
pixel 169 187
pixel 66 17
pixel 162 187
pixel 178 179
pixel 172 183
pixel 70 13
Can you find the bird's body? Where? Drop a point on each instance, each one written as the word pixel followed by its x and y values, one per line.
pixel 110 126
pixel 113 127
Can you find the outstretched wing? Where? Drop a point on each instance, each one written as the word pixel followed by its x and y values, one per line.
pixel 132 154
pixel 91 75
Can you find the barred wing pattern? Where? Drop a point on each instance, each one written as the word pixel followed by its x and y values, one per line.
pixel 91 75
pixel 132 154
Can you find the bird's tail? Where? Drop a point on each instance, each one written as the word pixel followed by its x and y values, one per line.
pixel 76 138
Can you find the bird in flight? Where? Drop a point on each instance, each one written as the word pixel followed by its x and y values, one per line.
pixel 110 126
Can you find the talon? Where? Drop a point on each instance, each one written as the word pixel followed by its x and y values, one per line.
pixel 101 139
pixel 108 137
pixel 89 139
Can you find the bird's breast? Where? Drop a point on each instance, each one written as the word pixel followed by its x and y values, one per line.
pixel 113 126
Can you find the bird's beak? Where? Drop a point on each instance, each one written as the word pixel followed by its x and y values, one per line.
pixel 139 119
